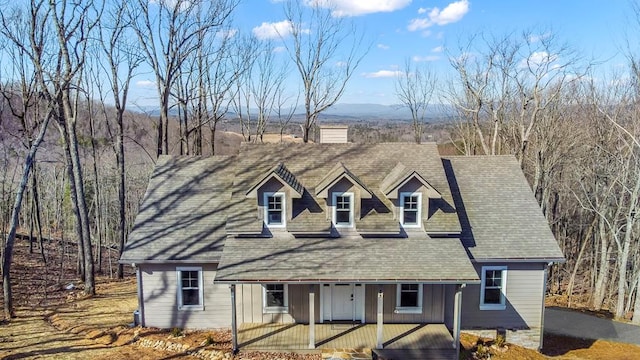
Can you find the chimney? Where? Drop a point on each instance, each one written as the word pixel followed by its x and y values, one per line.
pixel 333 134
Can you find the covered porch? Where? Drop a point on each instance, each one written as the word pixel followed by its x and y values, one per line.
pixel 261 336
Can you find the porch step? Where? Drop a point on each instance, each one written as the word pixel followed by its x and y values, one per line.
pixel 415 354
pixel 347 354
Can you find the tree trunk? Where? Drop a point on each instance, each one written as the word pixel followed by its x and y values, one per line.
pixel 8 246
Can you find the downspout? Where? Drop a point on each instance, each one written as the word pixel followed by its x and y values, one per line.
pixel 140 294
pixel 234 322
pixel 544 293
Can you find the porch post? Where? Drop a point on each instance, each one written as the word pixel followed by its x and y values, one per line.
pixel 380 319
pixel 234 324
pixel 457 312
pixel 312 318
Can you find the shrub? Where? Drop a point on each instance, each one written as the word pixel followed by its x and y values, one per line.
pixel 176 332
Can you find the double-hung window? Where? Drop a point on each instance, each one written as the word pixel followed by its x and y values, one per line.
pixel 410 205
pixel 275 298
pixel 409 298
pixel 190 294
pixel 274 207
pixel 493 288
pixel 343 209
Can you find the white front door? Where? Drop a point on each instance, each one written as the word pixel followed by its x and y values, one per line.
pixel 342 305
pixel 342 302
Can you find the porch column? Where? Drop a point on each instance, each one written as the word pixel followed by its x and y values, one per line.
pixel 312 318
pixel 380 318
pixel 457 312
pixel 234 324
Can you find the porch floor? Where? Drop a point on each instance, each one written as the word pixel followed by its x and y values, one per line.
pixel 256 336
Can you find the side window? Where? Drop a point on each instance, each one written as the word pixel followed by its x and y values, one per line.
pixel 409 298
pixel 493 288
pixel 190 294
pixel 410 209
pixel 275 298
pixel 343 209
pixel 274 208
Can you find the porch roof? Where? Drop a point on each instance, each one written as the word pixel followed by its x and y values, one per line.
pixel 354 259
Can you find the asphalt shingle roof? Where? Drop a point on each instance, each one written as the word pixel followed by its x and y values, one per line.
pixel 286 258
pixel 499 214
pixel 182 217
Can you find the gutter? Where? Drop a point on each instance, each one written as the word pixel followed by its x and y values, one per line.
pixel 351 281
pixel 520 260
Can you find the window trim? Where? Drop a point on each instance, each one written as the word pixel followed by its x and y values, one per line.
pixel 418 223
pixel 503 288
pixel 409 309
pixel 334 214
pixel 179 271
pixel 283 197
pixel 275 309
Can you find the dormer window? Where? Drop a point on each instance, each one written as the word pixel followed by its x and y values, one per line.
pixel 274 209
pixel 343 209
pixel 410 206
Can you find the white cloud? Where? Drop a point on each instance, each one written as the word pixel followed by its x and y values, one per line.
pixel 145 83
pixel 417 58
pixel 359 7
pixel 451 13
pixel 279 49
pixel 422 10
pixel 539 58
pixel 383 74
pixel 274 30
pixel 437 49
pixel 383 46
pixel 539 37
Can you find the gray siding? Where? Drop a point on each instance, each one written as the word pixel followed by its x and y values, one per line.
pixel 249 305
pixel 160 294
pixel 432 305
pixel 523 300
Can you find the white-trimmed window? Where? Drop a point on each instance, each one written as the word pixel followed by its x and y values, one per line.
pixel 343 209
pixel 275 298
pixel 410 209
pixel 493 288
pixel 409 298
pixel 190 294
pixel 274 209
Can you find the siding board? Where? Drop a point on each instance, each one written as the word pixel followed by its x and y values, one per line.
pixel 523 304
pixel 160 290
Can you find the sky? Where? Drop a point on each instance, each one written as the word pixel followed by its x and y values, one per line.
pixel 421 31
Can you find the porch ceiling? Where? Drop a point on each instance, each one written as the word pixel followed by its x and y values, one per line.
pixel 344 259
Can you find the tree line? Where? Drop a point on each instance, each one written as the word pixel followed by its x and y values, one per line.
pixel 67 71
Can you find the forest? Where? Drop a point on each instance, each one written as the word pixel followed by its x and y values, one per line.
pixel 76 152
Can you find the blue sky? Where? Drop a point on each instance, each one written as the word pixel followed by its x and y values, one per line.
pixel 422 30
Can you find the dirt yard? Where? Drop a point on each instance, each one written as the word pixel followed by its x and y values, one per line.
pixel 56 323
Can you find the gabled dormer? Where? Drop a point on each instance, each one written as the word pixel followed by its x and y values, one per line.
pixel 409 192
pixel 274 193
pixel 342 190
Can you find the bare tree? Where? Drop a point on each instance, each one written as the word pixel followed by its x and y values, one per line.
pixel 414 89
pixel 319 40
pixel 168 32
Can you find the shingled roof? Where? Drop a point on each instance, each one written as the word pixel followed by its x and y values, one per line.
pixel 195 207
pixel 498 211
pixel 182 217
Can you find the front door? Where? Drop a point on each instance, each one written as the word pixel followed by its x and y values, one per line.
pixel 342 302
pixel 342 305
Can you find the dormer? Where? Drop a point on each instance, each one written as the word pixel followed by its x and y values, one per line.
pixel 342 190
pixel 410 193
pixel 274 193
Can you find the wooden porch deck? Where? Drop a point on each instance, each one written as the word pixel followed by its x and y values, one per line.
pixel 292 337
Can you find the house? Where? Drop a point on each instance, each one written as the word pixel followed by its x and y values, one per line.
pixel 323 233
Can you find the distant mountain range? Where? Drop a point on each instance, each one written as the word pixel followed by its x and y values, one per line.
pixel 343 111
